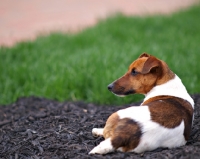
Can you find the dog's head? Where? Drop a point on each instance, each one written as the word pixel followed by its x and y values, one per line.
pixel 143 74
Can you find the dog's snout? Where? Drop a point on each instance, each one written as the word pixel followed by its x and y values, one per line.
pixel 110 86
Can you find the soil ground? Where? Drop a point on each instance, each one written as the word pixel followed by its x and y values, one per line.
pixel 35 128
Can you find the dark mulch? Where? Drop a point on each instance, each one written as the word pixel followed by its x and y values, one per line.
pixel 41 128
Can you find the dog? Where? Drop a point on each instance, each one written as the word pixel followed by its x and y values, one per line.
pixel 164 119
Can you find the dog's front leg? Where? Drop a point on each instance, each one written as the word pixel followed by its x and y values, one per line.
pixel 103 148
pixel 97 131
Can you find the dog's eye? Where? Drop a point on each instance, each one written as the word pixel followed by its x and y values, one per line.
pixel 133 72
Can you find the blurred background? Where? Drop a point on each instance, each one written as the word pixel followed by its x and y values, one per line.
pixel 72 49
pixel 24 20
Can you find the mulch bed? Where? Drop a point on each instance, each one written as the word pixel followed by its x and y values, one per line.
pixel 40 128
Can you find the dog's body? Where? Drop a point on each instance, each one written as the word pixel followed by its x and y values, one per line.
pixel 164 119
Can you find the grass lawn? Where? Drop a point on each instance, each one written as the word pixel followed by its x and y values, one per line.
pixel 80 66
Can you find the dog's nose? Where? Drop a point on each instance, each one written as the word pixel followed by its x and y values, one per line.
pixel 110 86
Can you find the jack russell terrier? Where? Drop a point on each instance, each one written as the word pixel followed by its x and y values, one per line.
pixel 164 119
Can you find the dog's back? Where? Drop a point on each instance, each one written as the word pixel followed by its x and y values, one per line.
pixel 169 112
pixel 164 121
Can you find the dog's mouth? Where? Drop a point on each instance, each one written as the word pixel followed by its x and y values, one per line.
pixel 129 92
pixel 123 93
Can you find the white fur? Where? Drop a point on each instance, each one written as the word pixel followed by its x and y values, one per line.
pixel 97 131
pixel 103 148
pixel 153 134
pixel 173 87
pixel 138 113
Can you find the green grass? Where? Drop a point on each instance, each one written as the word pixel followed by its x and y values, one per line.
pixel 80 66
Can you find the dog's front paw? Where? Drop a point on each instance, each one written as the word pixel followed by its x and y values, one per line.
pixel 97 132
pixel 95 150
pixel 103 148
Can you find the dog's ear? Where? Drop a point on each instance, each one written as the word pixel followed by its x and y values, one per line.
pixel 144 55
pixel 150 64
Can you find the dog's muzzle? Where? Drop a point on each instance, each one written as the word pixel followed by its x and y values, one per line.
pixel 120 91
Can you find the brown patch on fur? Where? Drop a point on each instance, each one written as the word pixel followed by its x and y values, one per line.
pixel 126 135
pixel 169 112
pixel 150 72
pixel 111 123
pixel 156 99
